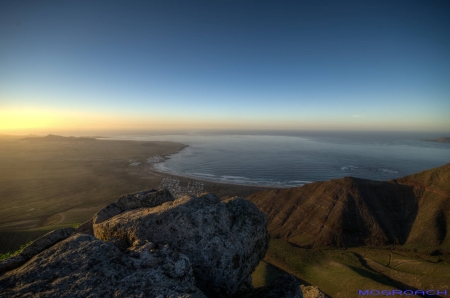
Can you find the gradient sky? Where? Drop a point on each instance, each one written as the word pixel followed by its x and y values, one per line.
pixel 144 65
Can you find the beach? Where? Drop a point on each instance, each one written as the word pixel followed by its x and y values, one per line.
pixel 292 159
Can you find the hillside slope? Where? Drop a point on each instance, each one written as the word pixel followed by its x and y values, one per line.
pixel 413 210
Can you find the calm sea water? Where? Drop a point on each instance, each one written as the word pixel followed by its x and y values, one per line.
pixel 287 159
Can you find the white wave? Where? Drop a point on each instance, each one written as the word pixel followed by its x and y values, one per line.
pixel 161 167
pixel 156 158
pixel 201 174
pixel 234 177
pixel 236 181
pixel 389 171
pixel 348 168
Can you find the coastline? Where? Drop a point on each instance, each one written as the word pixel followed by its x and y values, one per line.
pixel 80 179
pixel 161 173
pixel 221 189
pixel 199 179
pixel 68 182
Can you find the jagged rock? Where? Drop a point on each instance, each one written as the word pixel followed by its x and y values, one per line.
pixel 312 292
pixel 11 263
pixel 82 266
pixel 46 241
pixel 284 286
pixel 35 247
pixel 223 240
pixel 148 198
pixel 86 228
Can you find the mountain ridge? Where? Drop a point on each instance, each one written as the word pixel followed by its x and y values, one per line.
pixel 56 138
pixel 413 211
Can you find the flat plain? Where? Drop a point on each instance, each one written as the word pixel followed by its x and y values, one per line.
pixel 46 185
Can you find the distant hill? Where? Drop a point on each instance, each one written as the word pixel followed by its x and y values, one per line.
pixel 412 211
pixel 15 137
pixel 55 138
pixel 441 140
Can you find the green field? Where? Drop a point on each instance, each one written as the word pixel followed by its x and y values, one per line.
pixel 341 273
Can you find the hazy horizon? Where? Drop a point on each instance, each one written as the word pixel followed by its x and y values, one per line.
pixel 423 135
pixel 91 68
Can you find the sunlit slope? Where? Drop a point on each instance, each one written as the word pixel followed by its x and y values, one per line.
pixel 342 272
pixel 347 212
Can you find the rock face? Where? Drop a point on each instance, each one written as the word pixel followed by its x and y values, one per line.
pixel 82 266
pixel 148 198
pixel 224 241
pixel 148 245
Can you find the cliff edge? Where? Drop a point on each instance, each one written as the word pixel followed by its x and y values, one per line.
pixel 149 244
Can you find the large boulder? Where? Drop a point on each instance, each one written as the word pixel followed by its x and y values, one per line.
pixel 146 198
pixel 82 266
pixel 224 240
pixel 35 247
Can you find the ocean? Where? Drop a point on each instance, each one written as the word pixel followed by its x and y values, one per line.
pixel 288 159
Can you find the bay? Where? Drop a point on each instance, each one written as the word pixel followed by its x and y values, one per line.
pixel 288 159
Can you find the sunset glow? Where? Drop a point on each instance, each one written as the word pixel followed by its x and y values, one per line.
pixel 353 65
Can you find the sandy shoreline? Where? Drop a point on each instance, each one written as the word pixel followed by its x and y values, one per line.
pixel 48 184
pixel 156 172
pixel 220 189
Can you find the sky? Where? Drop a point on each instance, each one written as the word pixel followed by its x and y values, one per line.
pixel 188 65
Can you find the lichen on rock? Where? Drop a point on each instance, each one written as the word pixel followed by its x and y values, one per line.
pixel 82 266
pixel 223 240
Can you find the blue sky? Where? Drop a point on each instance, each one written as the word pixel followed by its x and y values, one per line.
pixel 143 65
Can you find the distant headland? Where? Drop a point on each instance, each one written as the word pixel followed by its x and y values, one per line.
pixel 440 140
pixel 55 138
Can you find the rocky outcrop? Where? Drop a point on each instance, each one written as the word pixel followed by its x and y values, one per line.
pixel 223 240
pixel 35 247
pixel 148 198
pixel 148 245
pixel 82 266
